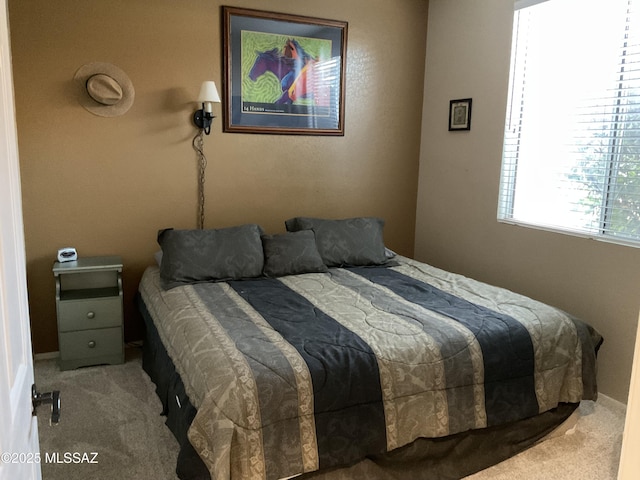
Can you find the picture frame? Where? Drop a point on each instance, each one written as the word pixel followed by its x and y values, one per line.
pixel 460 114
pixel 283 74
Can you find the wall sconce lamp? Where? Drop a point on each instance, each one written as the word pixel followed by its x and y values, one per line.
pixel 208 96
pixel 203 118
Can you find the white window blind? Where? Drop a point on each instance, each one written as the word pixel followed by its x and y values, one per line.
pixel 571 157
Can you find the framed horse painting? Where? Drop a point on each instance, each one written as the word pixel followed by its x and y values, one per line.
pixel 284 74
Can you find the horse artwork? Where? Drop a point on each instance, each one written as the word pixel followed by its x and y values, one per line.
pixel 284 74
pixel 297 72
pixel 271 61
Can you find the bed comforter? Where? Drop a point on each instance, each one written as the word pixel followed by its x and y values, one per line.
pixel 311 371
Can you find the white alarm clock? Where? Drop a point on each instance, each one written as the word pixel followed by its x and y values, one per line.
pixel 67 254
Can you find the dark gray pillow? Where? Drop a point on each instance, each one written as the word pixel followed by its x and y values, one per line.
pixel 348 242
pixel 193 256
pixel 291 253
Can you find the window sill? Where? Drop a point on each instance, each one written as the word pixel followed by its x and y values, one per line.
pixel 599 238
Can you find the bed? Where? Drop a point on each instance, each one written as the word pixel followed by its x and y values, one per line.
pixel 318 353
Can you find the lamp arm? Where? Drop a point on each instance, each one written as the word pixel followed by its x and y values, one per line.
pixel 203 120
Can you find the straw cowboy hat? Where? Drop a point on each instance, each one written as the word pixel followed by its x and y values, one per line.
pixel 105 89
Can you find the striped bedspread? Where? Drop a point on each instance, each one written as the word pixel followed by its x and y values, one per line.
pixel 304 372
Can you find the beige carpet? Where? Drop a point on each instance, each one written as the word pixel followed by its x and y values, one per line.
pixel 114 412
pixel 111 410
pixel 590 452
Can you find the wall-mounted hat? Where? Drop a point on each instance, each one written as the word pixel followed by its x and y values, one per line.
pixel 105 89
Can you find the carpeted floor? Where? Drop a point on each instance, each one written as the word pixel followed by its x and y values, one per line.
pixel 113 411
pixel 590 452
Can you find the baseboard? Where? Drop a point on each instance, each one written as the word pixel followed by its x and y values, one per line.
pixel 46 355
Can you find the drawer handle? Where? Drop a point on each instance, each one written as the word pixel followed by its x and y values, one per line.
pixel 92 344
pixel 91 315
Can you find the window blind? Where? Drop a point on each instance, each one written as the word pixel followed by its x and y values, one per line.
pixel 571 156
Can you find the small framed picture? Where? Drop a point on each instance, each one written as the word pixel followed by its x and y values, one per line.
pixel 460 114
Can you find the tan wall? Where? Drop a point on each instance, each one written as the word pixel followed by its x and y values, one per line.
pixel 468 49
pixel 629 459
pixel 106 185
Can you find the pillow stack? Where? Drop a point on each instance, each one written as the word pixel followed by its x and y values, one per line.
pixel 311 245
pixel 351 242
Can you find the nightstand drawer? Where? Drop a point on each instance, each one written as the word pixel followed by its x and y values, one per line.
pixel 87 344
pixel 89 314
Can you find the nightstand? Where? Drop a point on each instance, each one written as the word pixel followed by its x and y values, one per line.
pixel 89 309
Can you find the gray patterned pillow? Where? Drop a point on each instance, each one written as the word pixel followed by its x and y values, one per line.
pixel 193 256
pixel 291 253
pixel 348 242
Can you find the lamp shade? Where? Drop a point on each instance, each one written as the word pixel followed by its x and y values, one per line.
pixel 209 92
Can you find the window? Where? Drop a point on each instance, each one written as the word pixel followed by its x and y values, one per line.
pixel 571 157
